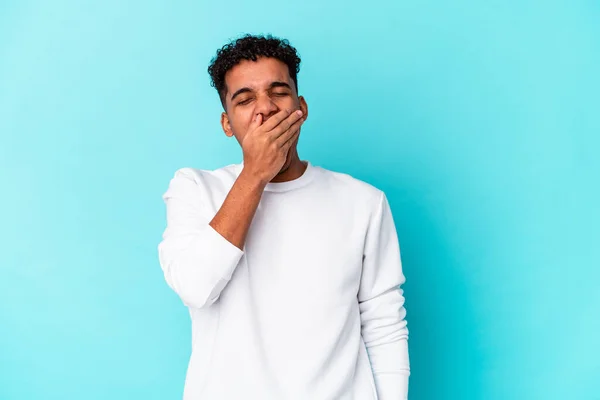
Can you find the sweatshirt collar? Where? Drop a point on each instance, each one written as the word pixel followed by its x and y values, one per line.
pixel 297 183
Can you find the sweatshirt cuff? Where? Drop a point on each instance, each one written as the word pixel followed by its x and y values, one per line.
pixel 224 253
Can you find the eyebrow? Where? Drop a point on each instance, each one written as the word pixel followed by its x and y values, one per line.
pixel 271 86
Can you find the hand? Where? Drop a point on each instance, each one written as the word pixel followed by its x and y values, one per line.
pixel 266 146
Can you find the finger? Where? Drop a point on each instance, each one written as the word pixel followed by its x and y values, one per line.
pixel 286 124
pixel 255 123
pixel 276 119
pixel 287 135
pixel 286 146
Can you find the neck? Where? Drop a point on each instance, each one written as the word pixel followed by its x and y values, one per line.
pixel 292 169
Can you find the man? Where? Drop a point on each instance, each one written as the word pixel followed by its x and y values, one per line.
pixel 291 272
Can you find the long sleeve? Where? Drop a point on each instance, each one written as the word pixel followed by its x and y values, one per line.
pixel 381 302
pixel 196 260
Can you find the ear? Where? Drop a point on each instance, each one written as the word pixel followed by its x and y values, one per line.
pixel 303 107
pixel 226 125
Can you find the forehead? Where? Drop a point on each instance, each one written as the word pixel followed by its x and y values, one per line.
pixel 256 74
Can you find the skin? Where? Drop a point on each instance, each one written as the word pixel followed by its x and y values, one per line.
pixel 264 113
pixel 266 97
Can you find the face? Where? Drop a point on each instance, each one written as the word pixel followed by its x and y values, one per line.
pixel 256 87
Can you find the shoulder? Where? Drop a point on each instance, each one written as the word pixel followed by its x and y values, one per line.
pixel 352 188
pixel 206 175
pixel 203 180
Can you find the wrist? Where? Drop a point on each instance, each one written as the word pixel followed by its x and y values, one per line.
pixel 252 179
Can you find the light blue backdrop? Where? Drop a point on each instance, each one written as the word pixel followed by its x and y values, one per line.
pixel 480 121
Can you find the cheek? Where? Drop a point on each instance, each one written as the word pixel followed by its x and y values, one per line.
pixel 287 102
pixel 247 121
pixel 241 122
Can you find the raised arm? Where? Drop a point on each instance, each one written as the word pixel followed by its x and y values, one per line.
pixel 199 251
pixel 199 255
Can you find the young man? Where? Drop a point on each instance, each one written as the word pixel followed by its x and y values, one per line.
pixel 291 272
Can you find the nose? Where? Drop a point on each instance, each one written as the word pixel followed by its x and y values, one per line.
pixel 265 106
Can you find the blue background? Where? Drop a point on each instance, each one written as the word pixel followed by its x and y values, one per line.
pixel 480 120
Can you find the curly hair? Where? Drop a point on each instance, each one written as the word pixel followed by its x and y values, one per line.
pixel 250 47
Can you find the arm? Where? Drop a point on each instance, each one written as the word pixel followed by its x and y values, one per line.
pixel 233 219
pixel 381 304
pixel 199 257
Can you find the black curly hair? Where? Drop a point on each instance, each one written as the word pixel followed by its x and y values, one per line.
pixel 250 47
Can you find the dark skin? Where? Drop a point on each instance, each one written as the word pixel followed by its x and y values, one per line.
pixel 264 113
pixel 262 87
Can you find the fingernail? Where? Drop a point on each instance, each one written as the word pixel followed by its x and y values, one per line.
pixel 299 112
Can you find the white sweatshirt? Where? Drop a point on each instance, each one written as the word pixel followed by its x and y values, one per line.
pixel 311 309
